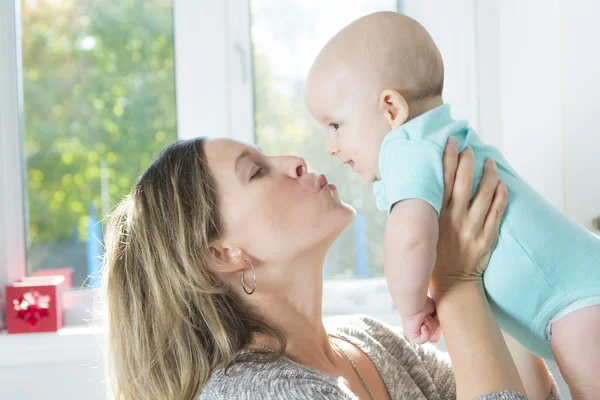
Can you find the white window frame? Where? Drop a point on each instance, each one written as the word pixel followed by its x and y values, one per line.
pixel 12 200
pixel 213 69
pixel 13 210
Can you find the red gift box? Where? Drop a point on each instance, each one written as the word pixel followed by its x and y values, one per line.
pixel 34 304
pixel 66 272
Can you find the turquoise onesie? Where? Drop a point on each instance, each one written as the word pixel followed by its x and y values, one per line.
pixel 543 262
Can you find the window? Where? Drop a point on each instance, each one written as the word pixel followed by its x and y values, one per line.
pixel 286 37
pixel 99 103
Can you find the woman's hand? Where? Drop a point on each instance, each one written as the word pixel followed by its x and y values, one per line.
pixel 468 229
pixel 468 232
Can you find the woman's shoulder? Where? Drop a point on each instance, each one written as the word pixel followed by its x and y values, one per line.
pixel 411 370
pixel 362 328
pixel 355 321
pixel 267 380
pixel 382 342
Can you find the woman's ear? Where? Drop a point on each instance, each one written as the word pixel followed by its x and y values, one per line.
pixel 394 106
pixel 229 259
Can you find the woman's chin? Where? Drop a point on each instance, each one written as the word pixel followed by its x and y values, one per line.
pixel 337 221
pixel 350 210
pixel 348 214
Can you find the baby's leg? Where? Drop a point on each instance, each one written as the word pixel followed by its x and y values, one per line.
pixel 532 369
pixel 576 347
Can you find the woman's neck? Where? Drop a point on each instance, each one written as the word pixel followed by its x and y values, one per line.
pixel 297 311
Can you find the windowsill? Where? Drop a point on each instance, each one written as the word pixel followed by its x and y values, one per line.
pixel 72 344
pixel 357 296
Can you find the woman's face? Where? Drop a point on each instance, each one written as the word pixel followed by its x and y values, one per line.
pixel 271 207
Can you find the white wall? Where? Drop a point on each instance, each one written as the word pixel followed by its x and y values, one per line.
pixel 538 78
pixel 452 29
pixel 580 34
pixel 519 88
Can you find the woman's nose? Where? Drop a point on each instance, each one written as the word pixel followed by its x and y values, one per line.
pixel 294 167
pixel 332 147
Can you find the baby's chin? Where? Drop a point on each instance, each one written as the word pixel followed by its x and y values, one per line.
pixel 369 177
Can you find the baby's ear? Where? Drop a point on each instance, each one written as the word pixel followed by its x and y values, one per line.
pixel 394 106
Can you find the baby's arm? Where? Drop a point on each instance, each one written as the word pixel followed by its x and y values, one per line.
pixel 410 243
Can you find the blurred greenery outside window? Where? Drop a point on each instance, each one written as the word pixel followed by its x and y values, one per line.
pixel 99 99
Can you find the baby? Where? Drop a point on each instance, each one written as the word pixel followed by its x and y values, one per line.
pixel 377 89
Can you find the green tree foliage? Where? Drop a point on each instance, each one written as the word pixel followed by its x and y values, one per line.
pixel 99 103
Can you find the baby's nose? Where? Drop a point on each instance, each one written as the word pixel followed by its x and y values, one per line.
pixel 332 147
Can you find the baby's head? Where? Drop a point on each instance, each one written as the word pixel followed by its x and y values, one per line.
pixel 374 75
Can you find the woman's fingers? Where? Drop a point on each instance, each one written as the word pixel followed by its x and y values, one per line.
pixel 449 162
pixel 463 183
pixel 485 193
pixel 495 214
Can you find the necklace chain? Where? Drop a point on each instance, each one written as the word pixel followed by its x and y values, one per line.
pixel 265 348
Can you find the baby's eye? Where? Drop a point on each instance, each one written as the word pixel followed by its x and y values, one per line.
pixel 335 126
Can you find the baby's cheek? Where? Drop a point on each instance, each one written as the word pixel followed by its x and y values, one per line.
pixel 357 148
pixel 370 156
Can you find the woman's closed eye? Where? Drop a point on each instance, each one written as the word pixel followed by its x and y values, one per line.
pixel 260 172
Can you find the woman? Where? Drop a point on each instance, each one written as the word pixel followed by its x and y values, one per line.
pixel 213 277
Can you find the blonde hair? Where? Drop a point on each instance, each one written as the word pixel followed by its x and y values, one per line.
pixel 171 321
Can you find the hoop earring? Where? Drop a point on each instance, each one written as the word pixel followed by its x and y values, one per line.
pixel 249 292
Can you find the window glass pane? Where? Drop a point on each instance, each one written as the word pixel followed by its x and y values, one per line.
pixel 286 37
pixel 99 97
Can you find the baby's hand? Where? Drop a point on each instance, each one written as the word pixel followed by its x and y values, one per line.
pixel 423 326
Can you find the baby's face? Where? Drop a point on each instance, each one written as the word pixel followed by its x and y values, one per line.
pixel 354 123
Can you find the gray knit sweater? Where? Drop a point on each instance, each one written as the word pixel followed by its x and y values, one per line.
pixel 409 371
